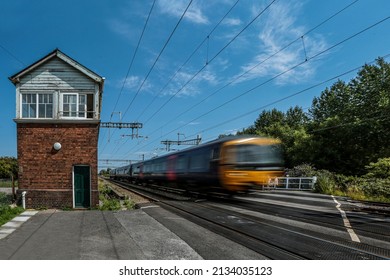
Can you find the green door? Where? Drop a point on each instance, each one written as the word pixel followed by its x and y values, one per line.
pixel 82 185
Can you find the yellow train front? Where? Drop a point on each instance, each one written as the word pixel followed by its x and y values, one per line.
pixel 249 161
pixel 231 164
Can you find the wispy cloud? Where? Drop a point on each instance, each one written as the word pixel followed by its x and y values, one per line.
pixel 179 88
pixel 232 22
pixel 132 83
pixel 176 8
pixel 121 28
pixel 278 29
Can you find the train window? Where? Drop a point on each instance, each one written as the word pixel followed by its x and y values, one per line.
pixel 230 155
pixel 215 153
pixel 260 154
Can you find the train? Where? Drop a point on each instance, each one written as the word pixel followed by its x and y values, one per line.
pixel 230 164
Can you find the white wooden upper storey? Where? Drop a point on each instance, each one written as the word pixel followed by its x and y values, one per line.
pixel 57 88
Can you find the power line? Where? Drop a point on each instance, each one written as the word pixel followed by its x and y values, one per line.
pixel 282 99
pixel 260 63
pixel 189 58
pixel 135 53
pixel 215 56
pixel 157 58
pixel 284 72
pixel 289 96
pixel 162 50
pixel 12 55
pixel 131 64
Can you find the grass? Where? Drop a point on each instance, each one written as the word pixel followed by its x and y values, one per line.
pixel 7 183
pixel 7 212
pixel 110 202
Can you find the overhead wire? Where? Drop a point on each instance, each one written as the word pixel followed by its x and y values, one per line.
pixel 206 39
pixel 209 61
pixel 286 71
pixel 280 74
pixel 215 56
pixel 12 55
pixel 130 66
pixel 158 57
pixel 135 53
pixel 290 96
pixel 258 64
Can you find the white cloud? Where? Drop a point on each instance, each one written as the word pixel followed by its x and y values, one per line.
pixel 121 28
pixel 180 87
pixel 133 83
pixel 277 30
pixel 232 22
pixel 176 8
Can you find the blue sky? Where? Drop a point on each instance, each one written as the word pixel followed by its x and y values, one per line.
pixel 260 53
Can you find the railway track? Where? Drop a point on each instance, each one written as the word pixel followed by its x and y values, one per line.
pixel 273 239
pixel 329 219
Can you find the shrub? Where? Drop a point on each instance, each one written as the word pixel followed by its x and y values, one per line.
pixel 302 170
pixel 379 169
pixel 326 182
pixel 109 203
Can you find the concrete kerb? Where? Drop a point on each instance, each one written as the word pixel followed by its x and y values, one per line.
pixel 15 223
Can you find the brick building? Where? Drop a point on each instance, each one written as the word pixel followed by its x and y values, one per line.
pixel 58 104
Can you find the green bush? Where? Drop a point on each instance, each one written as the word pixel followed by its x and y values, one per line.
pixel 110 204
pixel 326 182
pixel 379 169
pixel 302 170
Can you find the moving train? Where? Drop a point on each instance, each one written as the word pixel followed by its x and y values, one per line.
pixel 230 164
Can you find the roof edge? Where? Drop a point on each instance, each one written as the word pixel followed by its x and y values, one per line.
pixel 67 59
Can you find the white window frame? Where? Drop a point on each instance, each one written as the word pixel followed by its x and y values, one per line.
pixel 37 94
pixel 74 114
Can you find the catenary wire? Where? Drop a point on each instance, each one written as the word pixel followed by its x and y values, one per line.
pixel 284 72
pixel 257 65
pixel 214 57
pixel 280 100
pixel 158 57
pixel 189 58
pixel 130 66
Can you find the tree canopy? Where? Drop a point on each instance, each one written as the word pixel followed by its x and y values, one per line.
pixel 347 126
pixel 8 167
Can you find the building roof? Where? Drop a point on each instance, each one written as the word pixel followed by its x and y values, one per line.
pixel 57 53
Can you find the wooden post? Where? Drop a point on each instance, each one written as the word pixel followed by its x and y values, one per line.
pixel 13 188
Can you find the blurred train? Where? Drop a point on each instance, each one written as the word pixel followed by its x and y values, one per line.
pixel 231 164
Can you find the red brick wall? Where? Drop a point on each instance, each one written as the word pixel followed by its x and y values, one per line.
pixel 46 174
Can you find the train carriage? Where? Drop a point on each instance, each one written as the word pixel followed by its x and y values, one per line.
pixel 232 164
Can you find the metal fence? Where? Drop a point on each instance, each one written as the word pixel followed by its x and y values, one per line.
pixel 293 183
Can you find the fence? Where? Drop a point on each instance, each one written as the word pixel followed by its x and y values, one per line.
pixel 293 183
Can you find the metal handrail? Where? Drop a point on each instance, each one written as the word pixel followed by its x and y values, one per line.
pixel 293 183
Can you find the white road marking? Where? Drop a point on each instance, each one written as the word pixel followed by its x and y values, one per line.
pixel 151 206
pixel 347 224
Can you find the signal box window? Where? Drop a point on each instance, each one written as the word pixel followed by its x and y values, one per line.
pixel 37 105
pixel 77 105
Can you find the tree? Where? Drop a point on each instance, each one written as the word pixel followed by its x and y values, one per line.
pixel 8 167
pixel 350 122
pixel 289 128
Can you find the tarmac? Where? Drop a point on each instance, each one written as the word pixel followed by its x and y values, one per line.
pixel 148 233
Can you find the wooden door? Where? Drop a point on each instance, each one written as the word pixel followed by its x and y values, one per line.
pixel 82 186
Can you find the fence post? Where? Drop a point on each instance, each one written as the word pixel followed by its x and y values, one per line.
pixel 287 182
pixel 13 187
